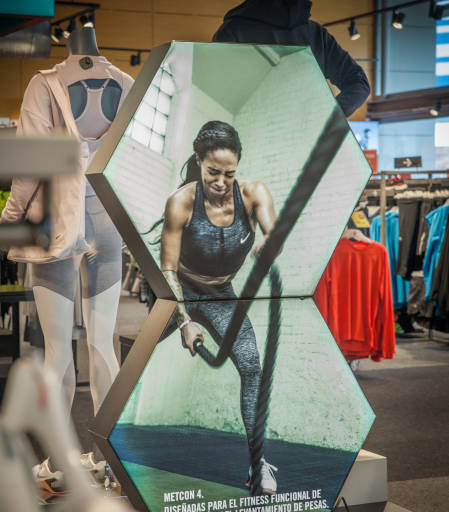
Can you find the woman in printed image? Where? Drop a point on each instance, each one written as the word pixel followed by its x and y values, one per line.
pixel 208 230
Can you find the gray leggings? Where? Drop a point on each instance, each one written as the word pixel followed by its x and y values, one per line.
pixel 215 316
pixel 54 287
pixel 100 268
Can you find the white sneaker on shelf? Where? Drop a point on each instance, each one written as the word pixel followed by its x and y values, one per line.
pixel 42 471
pixel 97 469
pixel 268 482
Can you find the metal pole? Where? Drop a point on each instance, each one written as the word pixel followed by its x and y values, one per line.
pixel 385 35
pixel 383 208
pixel 377 53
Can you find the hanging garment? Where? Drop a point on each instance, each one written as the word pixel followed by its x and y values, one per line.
pixel 45 108
pixel 440 282
pixel 427 206
pixel 400 286
pixel 409 217
pixel 417 303
pixel 354 297
pixel 436 221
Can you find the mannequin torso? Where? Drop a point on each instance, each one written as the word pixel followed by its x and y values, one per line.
pixel 94 101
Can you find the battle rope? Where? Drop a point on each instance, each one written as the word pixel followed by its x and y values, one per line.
pixel 263 400
pixel 327 146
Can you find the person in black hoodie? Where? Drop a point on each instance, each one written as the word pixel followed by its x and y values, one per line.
pixel 287 22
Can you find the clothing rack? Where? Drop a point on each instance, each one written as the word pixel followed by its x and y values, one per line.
pixel 383 193
pixel 410 182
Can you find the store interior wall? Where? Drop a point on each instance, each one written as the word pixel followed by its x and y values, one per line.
pixel 147 23
pixel 409 138
pixel 410 57
pixel 410 52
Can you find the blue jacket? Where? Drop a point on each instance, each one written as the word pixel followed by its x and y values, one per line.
pixel 399 286
pixel 436 221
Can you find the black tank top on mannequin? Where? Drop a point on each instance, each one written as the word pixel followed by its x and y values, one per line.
pixel 211 250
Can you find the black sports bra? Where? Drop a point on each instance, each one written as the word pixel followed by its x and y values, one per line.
pixel 211 250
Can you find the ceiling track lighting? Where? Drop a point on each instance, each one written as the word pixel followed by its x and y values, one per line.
pixel 135 60
pixel 436 110
pixel 71 27
pixel 353 32
pixel 436 11
pixel 397 20
pixel 87 20
pixel 85 17
pixel 57 34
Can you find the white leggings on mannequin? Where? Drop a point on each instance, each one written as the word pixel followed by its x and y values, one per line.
pixel 54 292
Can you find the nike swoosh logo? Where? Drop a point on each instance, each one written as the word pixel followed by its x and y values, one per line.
pixel 243 240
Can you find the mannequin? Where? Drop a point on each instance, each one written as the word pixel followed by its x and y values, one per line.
pixel 82 41
pixel 90 91
pixel 54 283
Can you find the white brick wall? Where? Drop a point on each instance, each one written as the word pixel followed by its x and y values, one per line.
pixel 315 398
pixel 278 134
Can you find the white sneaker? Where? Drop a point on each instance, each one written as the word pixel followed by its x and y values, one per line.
pixel 97 469
pixel 268 482
pixel 42 471
pixel 354 364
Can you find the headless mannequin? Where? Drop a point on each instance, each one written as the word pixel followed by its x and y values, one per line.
pixel 82 41
pixel 94 103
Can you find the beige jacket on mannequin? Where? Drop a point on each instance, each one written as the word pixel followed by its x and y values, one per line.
pixel 45 109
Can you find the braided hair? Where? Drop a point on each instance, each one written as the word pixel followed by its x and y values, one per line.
pixel 212 136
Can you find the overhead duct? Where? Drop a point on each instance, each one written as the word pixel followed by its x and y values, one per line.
pixel 19 14
pixel 32 42
pixel 407 106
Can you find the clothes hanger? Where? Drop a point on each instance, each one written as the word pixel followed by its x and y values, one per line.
pixel 357 235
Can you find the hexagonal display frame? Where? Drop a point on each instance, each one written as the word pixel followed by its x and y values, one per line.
pixel 314 190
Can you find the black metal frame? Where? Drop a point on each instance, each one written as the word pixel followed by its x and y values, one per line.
pixel 338 503
pixel 105 193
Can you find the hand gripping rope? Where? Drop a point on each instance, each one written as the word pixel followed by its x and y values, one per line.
pixel 327 146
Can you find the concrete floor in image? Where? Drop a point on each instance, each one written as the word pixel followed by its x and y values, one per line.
pixel 410 396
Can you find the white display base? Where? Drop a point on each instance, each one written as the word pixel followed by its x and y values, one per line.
pixel 367 481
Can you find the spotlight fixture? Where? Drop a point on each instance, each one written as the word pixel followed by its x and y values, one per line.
pixel 397 20
pixel 70 28
pixel 87 20
pixel 436 11
pixel 135 59
pixel 435 111
pixel 353 32
pixel 57 34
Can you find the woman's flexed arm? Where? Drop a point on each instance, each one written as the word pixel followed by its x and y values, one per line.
pixel 263 208
pixel 176 216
